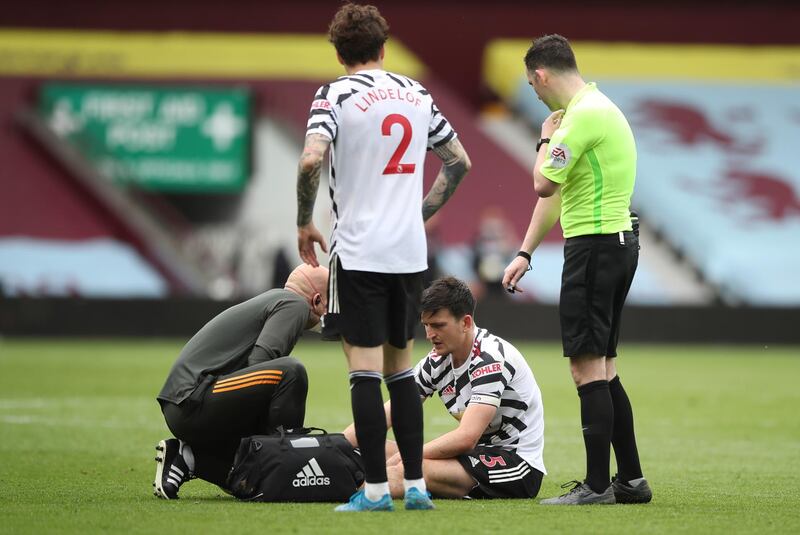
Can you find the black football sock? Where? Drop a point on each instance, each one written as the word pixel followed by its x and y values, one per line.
pixel 597 421
pixel 370 422
pixel 407 420
pixel 623 437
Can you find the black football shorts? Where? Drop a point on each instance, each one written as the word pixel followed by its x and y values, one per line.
pixel 369 309
pixel 598 272
pixel 500 473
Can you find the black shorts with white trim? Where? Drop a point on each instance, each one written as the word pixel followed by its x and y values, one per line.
pixel 368 309
pixel 500 473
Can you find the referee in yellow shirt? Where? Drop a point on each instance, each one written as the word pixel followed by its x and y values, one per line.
pixel 584 173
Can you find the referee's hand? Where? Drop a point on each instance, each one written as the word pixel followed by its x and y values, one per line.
pixel 513 273
pixel 307 235
pixel 552 123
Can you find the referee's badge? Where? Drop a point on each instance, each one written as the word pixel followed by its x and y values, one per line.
pixel 560 156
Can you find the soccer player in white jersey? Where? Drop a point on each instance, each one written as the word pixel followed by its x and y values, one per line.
pixel 485 384
pixel 378 126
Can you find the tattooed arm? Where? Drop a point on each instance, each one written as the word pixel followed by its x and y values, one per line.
pixel 455 164
pixel 308 172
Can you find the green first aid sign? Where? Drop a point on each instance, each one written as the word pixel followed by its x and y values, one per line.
pixel 166 139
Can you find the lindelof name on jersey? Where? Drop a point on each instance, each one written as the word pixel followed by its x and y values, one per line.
pixel 368 98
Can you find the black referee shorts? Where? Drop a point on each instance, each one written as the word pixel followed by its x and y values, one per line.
pixel 598 272
pixel 369 309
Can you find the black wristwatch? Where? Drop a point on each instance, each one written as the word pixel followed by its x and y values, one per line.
pixel 542 142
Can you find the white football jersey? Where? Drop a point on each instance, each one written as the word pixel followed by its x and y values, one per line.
pixel 381 124
pixel 495 374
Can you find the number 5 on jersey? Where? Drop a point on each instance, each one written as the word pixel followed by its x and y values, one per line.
pixel 395 167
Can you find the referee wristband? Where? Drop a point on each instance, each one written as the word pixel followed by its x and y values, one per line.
pixel 525 255
pixel 542 142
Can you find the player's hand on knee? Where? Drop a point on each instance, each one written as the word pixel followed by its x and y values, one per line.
pixel 513 273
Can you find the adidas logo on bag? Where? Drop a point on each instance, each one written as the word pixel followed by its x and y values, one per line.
pixel 311 475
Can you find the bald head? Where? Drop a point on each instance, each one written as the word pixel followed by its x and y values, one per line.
pixel 312 284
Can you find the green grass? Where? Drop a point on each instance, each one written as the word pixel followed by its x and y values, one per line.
pixel 718 430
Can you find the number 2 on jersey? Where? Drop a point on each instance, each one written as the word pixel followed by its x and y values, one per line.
pixel 395 167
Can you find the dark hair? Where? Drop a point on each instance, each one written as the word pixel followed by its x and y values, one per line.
pixel 358 33
pixel 551 52
pixel 450 293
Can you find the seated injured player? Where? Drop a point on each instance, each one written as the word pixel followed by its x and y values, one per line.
pixel 488 387
pixel 234 379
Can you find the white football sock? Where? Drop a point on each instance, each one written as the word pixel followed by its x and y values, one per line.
pixel 418 483
pixel 376 491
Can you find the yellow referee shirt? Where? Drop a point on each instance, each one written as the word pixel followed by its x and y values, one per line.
pixel 593 156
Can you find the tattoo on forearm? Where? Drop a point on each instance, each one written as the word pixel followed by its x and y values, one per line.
pixel 307 185
pixel 308 172
pixel 456 164
pixel 450 152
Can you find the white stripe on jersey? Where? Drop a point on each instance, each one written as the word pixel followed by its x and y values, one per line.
pixel 495 369
pixel 380 124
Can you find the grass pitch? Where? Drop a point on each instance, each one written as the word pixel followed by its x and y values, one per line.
pixel 718 432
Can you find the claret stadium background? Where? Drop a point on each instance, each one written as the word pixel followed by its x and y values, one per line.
pixel 149 154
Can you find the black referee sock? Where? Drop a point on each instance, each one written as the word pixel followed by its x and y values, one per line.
pixel 407 420
pixel 370 421
pixel 623 438
pixel 597 420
